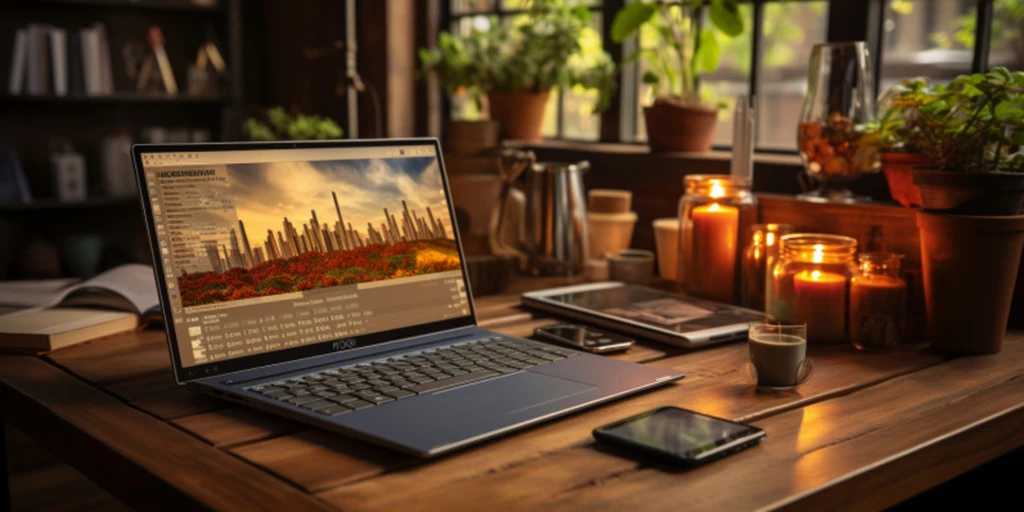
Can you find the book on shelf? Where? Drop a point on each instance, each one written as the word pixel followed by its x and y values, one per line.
pixel 19 56
pixel 48 60
pixel 60 313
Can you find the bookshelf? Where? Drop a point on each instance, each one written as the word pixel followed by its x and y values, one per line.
pixel 119 97
pixel 33 124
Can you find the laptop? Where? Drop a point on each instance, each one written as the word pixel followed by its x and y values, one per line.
pixel 325 282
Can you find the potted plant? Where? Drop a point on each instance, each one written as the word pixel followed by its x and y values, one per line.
pixel 517 67
pixel 455 62
pixel 280 125
pixel 897 132
pixel 972 232
pixel 678 119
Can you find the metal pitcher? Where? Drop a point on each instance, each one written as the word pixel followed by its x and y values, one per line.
pixel 554 240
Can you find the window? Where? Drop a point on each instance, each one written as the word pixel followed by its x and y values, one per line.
pixel 570 113
pixel 933 38
pixel 926 38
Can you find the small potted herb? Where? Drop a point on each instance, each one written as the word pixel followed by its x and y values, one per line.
pixel 280 125
pixel 897 132
pixel 678 119
pixel 972 230
pixel 972 131
pixel 455 62
pixel 516 68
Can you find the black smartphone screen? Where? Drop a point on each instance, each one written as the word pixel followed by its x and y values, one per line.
pixel 677 432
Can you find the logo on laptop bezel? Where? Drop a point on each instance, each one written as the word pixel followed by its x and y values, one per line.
pixel 344 344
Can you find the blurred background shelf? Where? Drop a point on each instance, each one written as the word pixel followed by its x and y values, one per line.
pixel 121 97
pixel 169 5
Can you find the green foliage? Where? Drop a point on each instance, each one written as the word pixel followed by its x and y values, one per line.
pixel 976 123
pixel 682 52
pixel 280 125
pixel 550 47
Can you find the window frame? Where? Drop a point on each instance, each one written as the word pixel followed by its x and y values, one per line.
pixel 846 21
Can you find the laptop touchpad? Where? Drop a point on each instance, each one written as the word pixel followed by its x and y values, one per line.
pixel 516 393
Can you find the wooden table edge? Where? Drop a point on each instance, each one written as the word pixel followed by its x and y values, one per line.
pixel 137 484
pixel 956 441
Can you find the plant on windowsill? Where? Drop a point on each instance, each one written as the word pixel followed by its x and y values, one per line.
pixel 896 131
pixel 678 119
pixel 280 125
pixel 972 232
pixel 510 71
pixel 455 62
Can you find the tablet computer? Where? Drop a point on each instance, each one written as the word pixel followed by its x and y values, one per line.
pixel 646 312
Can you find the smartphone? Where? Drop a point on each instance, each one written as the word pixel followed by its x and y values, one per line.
pixel 584 338
pixel 680 436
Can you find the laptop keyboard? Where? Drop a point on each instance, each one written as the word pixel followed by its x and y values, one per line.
pixel 351 388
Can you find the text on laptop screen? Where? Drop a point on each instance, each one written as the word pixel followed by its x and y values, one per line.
pixel 267 250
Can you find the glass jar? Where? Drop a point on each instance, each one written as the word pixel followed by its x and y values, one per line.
pixel 834 142
pixel 713 213
pixel 762 251
pixel 878 302
pixel 811 282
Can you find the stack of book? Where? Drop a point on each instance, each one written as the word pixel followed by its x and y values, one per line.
pixel 49 60
pixel 38 316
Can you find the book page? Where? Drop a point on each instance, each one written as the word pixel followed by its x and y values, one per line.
pixel 134 282
pixel 33 293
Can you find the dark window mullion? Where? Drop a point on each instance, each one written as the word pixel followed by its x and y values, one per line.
pixel 756 45
pixel 982 36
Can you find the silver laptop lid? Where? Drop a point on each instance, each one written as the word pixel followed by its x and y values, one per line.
pixel 271 252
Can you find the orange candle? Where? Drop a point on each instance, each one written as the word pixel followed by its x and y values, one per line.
pixel 877 305
pixel 819 300
pixel 715 232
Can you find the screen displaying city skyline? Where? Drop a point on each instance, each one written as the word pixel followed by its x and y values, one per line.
pixel 297 226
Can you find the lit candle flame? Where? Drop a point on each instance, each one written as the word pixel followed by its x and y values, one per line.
pixel 716 189
pixel 770 239
pixel 714 207
pixel 819 254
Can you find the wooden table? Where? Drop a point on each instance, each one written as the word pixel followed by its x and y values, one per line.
pixel 866 431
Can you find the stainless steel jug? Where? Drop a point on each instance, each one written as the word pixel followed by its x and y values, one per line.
pixel 554 241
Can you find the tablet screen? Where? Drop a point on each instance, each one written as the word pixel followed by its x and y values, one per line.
pixel 656 308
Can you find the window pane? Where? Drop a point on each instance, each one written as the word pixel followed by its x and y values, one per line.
pixel 578 118
pixel 513 5
pixel 790 30
pixel 732 78
pixel 932 38
pixel 464 6
pixel 1007 43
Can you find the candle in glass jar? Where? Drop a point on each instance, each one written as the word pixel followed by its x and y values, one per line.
pixel 715 232
pixel 877 304
pixel 819 300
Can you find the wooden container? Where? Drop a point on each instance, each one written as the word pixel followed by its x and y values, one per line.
pixel 604 200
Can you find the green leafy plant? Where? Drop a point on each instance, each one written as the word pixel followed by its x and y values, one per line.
pixel 683 52
pixel 280 125
pixel 897 128
pixel 974 124
pixel 540 53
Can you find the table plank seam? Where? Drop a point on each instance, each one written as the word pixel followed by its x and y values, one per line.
pixel 901 454
pixel 934 410
pixel 838 393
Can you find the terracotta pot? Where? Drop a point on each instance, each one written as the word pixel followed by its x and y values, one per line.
pixel 969 265
pixel 898 168
pixel 970 193
pixel 470 137
pixel 521 114
pixel 673 127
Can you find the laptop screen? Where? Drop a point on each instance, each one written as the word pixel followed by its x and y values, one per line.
pixel 267 250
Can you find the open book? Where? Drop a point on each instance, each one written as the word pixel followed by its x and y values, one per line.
pixel 60 312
